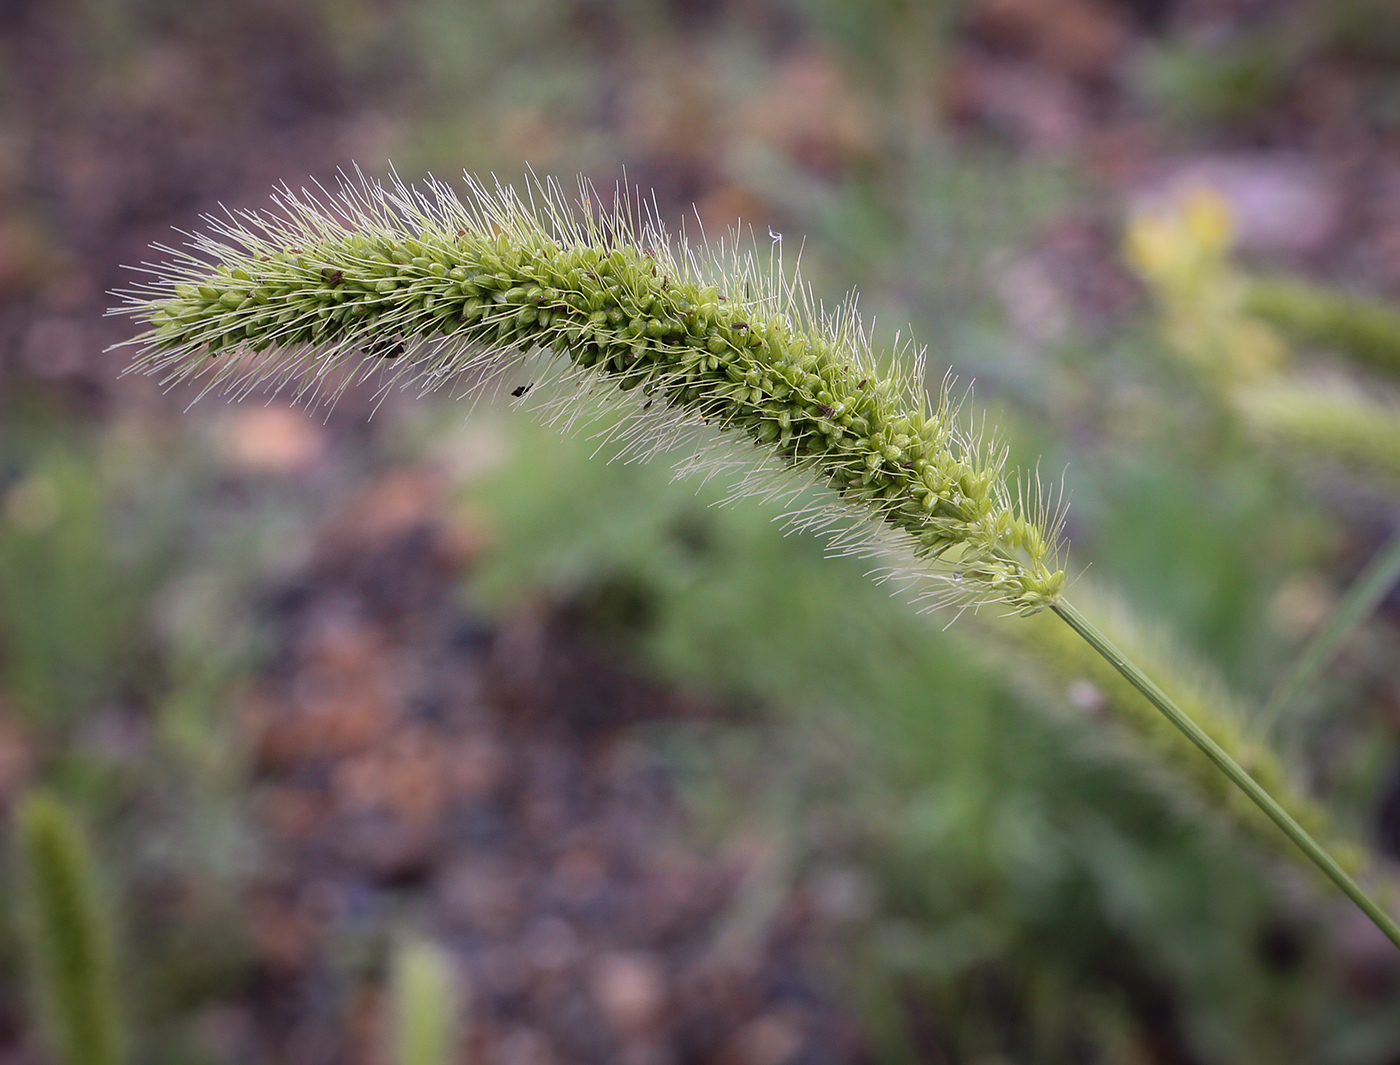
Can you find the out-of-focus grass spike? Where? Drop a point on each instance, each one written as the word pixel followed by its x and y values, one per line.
pixel 1366 329
pixel 1332 420
pixel 68 936
pixel 426 1022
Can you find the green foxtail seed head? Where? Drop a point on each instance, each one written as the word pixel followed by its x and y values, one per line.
pixel 68 935
pixel 407 284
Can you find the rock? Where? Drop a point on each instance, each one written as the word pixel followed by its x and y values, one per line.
pixel 630 988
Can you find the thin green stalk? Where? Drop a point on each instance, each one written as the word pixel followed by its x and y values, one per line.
pixel 1227 765
pixel 1359 603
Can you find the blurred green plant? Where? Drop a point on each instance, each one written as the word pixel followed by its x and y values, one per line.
pixel 70 605
pixel 1197 84
pixel 1310 313
pixel 1231 328
pixel 68 934
pixel 425 1004
pixel 124 612
pixel 1337 421
pixel 1037 884
pixel 1371 586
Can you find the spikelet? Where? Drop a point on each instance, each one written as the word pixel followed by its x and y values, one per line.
pixel 69 940
pixel 398 284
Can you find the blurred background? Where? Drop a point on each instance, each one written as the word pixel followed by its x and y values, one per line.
pixel 430 724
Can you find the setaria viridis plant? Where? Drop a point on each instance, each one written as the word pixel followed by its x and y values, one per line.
pixel 68 935
pixel 395 284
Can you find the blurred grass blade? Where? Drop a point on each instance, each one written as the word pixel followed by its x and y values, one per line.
pixel 69 940
pixel 1227 765
pixel 1366 329
pixel 424 1004
pixel 1360 601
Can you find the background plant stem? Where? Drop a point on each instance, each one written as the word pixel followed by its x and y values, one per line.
pixel 1232 769
pixel 1360 601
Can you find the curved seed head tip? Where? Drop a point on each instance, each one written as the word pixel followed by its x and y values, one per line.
pixel 417 285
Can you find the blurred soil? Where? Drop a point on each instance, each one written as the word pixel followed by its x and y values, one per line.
pixel 494 783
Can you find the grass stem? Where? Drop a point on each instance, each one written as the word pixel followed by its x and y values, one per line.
pixel 1227 765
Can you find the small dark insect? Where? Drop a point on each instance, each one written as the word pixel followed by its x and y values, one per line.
pixel 863 382
pixel 332 277
pixel 665 283
pixel 385 349
pixel 828 411
pixel 647 404
pixel 520 390
pixel 740 325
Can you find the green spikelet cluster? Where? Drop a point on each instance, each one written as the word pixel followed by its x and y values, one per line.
pixel 422 286
pixel 70 943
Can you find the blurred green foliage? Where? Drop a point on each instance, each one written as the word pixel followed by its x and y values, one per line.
pixel 1217 82
pixel 124 638
pixel 75 576
pixel 1313 314
pixel 1040 894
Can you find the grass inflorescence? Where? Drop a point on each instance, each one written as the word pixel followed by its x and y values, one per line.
pixel 424 286
pixel 421 286
pixel 68 935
